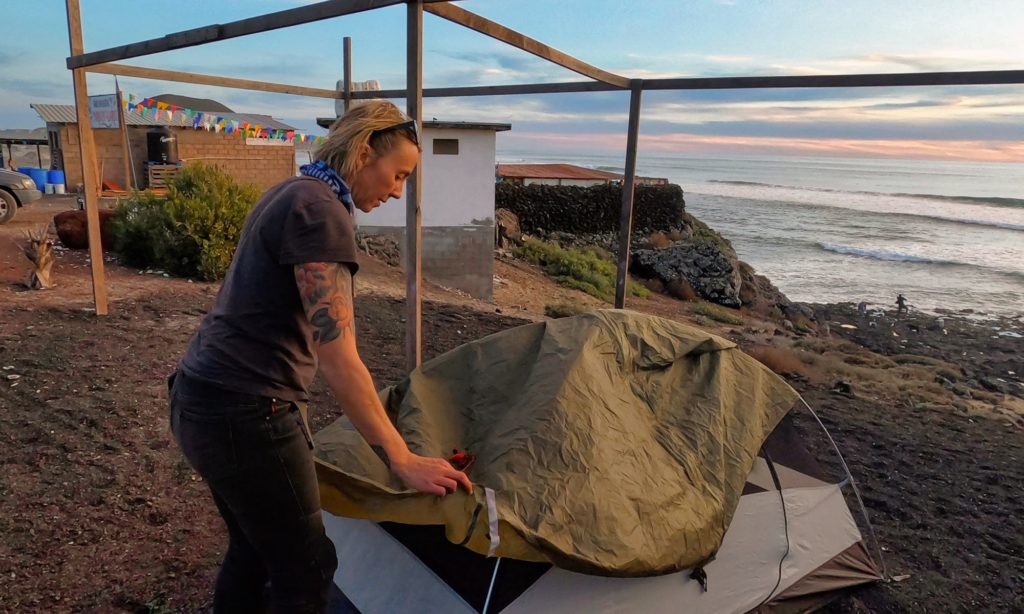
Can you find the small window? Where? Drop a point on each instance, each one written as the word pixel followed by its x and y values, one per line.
pixel 446 147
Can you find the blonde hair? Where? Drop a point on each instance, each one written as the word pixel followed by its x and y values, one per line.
pixel 355 129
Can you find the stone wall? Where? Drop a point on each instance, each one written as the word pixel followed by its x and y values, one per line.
pixel 544 209
pixel 460 257
pixel 257 161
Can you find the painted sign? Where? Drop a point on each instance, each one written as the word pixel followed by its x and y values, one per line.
pixel 103 111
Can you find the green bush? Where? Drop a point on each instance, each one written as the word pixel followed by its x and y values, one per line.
pixel 563 310
pixel 718 314
pixel 193 231
pixel 589 270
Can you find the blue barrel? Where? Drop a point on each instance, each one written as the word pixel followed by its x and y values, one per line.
pixel 55 177
pixel 24 169
pixel 39 176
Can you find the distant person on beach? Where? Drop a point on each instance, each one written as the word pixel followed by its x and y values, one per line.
pixel 862 309
pixel 901 304
pixel 285 312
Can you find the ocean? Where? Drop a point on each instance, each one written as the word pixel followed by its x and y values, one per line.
pixel 947 234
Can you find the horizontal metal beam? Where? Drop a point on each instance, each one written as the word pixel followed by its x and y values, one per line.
pixel 985 77
pixel 234 29
pixel 980 77
pixel 997 77
pixel 497 31
pixel 124 70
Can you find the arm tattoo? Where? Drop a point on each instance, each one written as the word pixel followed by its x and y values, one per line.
pixel 379 451
pixel 326 293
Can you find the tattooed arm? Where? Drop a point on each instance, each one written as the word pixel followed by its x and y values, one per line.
pixel 326 292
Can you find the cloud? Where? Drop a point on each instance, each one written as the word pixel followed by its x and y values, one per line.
pixel 980 150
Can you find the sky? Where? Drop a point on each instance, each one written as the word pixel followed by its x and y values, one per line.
pixel 634 38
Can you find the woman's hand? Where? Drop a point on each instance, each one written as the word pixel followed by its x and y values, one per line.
pixel 429 475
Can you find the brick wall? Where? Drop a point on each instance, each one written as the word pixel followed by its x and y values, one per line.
pixel 255 161
pixel 454 256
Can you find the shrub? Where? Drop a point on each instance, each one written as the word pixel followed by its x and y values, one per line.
pixel 659 240
pixel 563 310
pixel 717 314
pixel 193 231
pixel 778 360
pixel 681 289
pixel 590 270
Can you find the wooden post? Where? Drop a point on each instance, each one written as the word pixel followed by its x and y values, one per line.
pixel 39 156
pixel 628 189
pixel 122 121
pixel 348 72
pixel 87 147
pixel 413 214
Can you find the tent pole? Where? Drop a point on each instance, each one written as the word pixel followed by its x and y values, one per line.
pixel 628 190
pixel 490 591
pixel 853 485
pixel 413 193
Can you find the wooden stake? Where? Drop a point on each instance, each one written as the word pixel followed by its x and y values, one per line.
pixel 87 147
pixel 413 214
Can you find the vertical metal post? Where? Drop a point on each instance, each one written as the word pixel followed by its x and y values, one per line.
pixel 87 146
pixel 39 156
pixel 122 120
pixel 347 53
pixel 413 192
pixel 628 189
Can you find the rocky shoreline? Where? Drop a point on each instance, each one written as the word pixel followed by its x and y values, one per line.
pixel 986 351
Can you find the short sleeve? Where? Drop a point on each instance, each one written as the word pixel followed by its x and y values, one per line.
pixel 318 230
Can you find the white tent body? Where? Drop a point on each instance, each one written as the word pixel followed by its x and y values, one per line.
pixel 814 529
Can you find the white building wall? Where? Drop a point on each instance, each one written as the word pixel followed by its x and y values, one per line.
pixel 458 190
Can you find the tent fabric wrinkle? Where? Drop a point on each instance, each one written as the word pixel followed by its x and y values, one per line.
pixel 615 443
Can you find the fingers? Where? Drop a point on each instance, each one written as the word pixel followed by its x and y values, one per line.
pixel 464 480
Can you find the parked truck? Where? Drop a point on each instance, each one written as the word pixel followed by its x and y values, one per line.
pixel 16 190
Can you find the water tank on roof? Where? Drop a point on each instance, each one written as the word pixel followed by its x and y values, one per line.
pixel 161 145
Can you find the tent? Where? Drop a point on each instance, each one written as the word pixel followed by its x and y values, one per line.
pixel 623 462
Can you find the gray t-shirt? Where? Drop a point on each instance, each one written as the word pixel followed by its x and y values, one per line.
pixel 257 338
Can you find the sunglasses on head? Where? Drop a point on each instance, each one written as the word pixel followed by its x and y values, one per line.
pixel 409 127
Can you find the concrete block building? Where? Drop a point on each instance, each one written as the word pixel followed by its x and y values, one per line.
pixel 262 162
pixel 457 204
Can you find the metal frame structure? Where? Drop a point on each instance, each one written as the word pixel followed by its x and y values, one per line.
pixel 105 62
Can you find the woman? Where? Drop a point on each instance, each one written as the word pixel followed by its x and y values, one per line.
pixel 285 310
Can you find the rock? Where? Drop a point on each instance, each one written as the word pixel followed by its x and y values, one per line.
pixel 993 385
pixel 961 391
pixel 705 260
pixel 381 247
pixel 758 292
pixel 788 325
pixel 72 229
pixel 507 233
pixel 842 387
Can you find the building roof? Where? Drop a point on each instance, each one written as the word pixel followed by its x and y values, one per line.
pixel 65 114
pixel 326 122
pixel 36 136
pixel 196 104
pixel 554 171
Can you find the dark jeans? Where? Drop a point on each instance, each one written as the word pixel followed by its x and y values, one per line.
pixel 255 455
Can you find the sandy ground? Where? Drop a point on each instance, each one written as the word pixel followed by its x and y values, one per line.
pixel 100 514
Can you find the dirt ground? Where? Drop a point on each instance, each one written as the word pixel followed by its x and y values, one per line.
pixel 99 513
